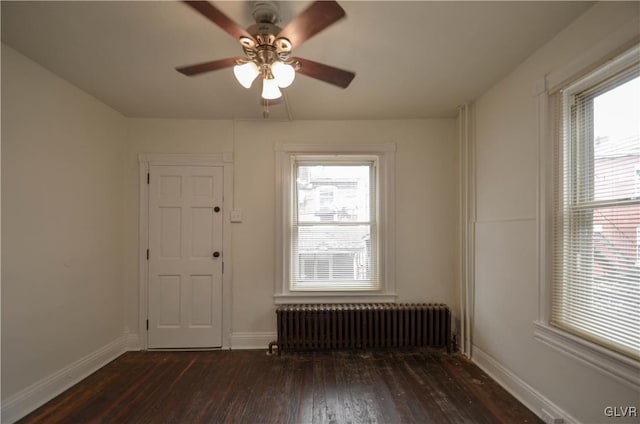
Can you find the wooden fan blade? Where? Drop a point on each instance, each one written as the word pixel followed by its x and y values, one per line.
pixel 311 21
pixel 216 16
pixel 200 68
pixel 325 73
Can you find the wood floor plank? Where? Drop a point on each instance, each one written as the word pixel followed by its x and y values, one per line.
pixel 326 408
pixel 383 397
pixel 303 383
pixel 452 400
pixel 361 389
pixel 376 386
pixel 425 390
pixel 241 388
pixel 216 390
pixel 401 396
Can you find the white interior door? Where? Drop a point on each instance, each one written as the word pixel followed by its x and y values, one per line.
pixel 185 256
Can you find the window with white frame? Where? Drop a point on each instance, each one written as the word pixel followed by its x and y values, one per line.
pixel 334 228
pixel 334 222
pixel 596 275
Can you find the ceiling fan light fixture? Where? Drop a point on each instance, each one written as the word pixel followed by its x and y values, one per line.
pixel 283 73
pixel 270 90
pixel 246 73
pixel 267 47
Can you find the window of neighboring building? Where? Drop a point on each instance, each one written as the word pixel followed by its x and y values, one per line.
pixel 596 274
pixel 335 221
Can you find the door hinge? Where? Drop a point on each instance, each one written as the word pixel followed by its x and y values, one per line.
pixel 148 177
pixel 147 325
pixel 147 254
pixel 223 267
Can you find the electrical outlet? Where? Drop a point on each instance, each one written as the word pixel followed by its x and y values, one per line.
pixel 549 418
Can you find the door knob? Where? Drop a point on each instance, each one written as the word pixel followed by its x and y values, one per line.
pixel 216 209
pixel 216 254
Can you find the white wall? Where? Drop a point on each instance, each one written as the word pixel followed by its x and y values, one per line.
pixel 506 283
pixel 62 287
pixel 426 196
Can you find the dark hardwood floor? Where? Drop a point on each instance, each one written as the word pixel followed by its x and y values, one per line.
pixel 409 386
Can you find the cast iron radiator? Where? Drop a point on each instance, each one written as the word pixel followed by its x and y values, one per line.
pixel 353 326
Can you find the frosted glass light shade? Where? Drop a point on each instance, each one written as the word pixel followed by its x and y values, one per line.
pixel 283 73
pixel 270 89
pixel 246 73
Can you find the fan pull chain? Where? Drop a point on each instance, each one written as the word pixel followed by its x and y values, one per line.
pixel 265 108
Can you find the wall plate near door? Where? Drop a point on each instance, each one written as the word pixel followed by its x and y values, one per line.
pixel 236 216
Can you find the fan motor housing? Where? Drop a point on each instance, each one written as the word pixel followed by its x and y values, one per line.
pixel 264 28
pixel 266 12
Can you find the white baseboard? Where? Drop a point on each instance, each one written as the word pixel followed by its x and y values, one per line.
pixel 252 340
pixel 133 341
pixel 30 398
pixel 530 397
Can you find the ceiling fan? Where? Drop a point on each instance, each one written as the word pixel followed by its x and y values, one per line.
pixel 267 47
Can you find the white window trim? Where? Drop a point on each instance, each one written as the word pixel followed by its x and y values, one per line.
pixel 606 361
pixel 386 188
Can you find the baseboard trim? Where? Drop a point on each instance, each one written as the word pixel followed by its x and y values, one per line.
pixel 37 394
pixel 530 397
pixel 133 341
pixel 252 340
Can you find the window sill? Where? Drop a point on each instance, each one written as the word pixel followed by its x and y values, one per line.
pixel 332 297
pixel 610 363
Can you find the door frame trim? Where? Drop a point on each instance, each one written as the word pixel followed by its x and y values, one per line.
pixel 145 161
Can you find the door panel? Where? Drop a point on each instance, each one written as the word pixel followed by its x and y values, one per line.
pixel 185 279
pixel 202 289
pixel 169 301
pixel 170 232
pixel 201 230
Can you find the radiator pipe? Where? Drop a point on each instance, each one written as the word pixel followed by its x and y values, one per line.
pixel 271 344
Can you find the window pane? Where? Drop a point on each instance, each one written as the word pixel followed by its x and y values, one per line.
pixel 616 127
pixel 601 293
pixel 614 234
pixel 333 254
pixel 333 193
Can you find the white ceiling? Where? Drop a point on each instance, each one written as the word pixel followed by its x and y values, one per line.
pixel 412 59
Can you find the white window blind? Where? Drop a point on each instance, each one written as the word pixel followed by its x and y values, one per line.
pixel 334 229
pixel 596 274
